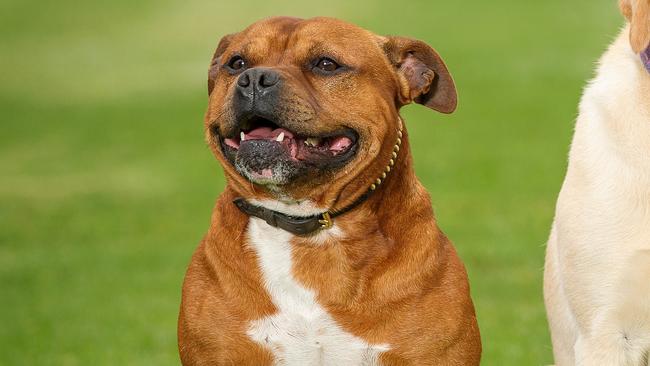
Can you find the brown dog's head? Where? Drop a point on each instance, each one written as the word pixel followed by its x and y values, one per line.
pixel 300 108
pixel 637 13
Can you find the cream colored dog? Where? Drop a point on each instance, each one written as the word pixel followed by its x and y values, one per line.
pixel 597 277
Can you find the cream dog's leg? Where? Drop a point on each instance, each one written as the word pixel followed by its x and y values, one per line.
pixel 620 335
pixel 563 328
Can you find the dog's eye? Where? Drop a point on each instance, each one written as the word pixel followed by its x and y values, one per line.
pixel 236 63
pixel 327 65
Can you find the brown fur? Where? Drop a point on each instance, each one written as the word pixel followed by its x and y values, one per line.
pixel 637 13
pixel 393 277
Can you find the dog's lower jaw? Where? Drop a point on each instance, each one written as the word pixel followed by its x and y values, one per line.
pixel 272 177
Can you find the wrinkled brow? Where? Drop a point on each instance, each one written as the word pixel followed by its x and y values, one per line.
pixel 323 49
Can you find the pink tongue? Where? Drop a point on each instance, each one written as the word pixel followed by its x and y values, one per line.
pixel 260 133
pixel 340 143
pixel 266 133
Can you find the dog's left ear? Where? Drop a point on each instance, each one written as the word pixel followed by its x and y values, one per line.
pixel 422 74
pixel 637 13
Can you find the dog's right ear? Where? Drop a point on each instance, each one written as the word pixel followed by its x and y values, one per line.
pixel 423 76
pixel 637 13
pixel 216 60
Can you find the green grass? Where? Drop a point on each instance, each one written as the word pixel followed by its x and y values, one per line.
pixel 106 185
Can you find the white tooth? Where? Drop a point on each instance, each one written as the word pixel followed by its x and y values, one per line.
pixel 243 137
pixel 312 141
pixel 280 137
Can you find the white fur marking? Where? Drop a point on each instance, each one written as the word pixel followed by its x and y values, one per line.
pixel 304 208
pixel 301 333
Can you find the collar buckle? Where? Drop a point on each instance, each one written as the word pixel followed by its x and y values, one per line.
pixel 326 222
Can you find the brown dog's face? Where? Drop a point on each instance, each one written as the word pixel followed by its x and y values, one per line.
pixel 300 107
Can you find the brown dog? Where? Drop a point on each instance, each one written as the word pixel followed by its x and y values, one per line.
pixel 323 249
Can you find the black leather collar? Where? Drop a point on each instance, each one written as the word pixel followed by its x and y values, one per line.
pixel 302 226
pixel 295 225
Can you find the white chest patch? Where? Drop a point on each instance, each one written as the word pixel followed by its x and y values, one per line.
pixel 301 333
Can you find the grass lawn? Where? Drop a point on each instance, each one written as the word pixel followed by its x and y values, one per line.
pixel 106 184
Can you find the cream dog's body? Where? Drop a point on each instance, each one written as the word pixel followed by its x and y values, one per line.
pixel 597 277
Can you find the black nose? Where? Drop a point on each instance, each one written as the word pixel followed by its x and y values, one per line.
pixel 257 82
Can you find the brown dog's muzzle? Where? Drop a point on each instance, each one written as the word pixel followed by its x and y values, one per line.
pixel 276 136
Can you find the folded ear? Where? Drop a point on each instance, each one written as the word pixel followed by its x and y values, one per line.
pixel 216 60
pixel 637 13
pixel 424 78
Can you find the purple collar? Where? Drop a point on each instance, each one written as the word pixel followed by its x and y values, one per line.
pixel 645 58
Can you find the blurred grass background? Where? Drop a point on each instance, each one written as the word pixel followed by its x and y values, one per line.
pixel 106 184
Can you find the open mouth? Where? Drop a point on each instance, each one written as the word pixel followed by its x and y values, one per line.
pixel 298 147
